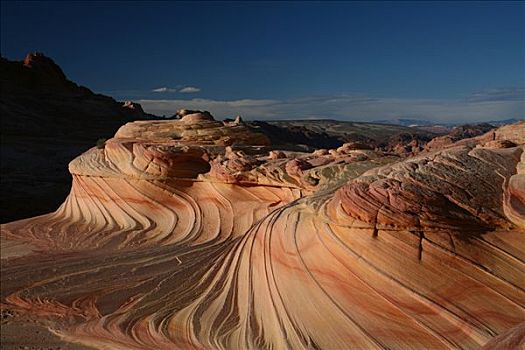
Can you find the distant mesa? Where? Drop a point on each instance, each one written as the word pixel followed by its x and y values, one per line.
pixel 410 122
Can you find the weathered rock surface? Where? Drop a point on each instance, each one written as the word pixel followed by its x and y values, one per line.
pixel 459 133
pixel 193 233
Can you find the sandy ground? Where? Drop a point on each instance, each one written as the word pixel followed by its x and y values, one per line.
pixel 23 331
pixel 26 332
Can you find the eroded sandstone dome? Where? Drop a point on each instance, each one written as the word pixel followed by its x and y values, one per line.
pixel 195 233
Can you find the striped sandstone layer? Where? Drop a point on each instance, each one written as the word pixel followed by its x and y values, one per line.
pixel 195 234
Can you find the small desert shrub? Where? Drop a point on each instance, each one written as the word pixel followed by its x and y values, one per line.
pixel 101 143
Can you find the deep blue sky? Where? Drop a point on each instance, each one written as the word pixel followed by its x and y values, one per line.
pixel 278 51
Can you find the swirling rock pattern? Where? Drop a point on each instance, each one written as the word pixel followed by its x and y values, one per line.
pixel 217 243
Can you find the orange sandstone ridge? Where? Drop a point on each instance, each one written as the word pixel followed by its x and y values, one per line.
pixel 197 234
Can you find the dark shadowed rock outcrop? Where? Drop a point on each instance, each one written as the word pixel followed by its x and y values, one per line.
pixel 46 120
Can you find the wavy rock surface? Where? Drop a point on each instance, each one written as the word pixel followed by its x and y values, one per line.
pixel 194 234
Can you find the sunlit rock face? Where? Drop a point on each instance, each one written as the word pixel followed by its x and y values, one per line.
pixel 196 234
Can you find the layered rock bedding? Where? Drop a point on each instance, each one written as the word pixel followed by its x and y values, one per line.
pixel 198 234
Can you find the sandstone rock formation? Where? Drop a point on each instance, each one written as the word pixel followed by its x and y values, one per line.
pixel 46 121
pixel 193 233
pixel 459 133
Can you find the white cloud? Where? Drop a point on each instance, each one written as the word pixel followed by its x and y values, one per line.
pixel 189 90
pixel 350 107
pixel 164 89
pixel 184 90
